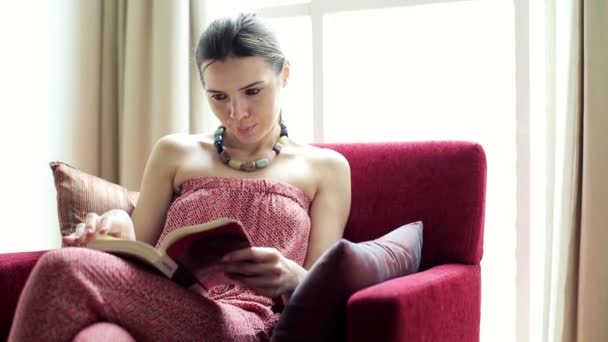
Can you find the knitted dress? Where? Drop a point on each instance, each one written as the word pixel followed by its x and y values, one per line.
pixel 72 288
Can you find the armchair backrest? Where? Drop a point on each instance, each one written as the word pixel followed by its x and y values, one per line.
pixel 441 183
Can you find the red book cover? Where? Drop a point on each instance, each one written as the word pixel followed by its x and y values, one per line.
pixel 197 252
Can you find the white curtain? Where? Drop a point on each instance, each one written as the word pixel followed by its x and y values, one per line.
pixel 573 183
pixel 592 294
pixel 148 82
pixel 93 84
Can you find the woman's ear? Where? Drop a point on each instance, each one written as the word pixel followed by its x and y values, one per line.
pixel 285 72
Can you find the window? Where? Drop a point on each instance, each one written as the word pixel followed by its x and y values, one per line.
pixel 398 70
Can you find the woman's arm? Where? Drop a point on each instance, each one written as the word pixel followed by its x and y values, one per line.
pixel 157 188
pixel 331 206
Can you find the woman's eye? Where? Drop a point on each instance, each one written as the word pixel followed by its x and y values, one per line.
pixel 219 97
pixel 252 91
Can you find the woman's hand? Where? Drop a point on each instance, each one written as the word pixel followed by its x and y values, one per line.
pixel 115 223
pixel 264 270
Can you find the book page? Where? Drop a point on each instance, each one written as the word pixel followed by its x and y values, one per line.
pixel 134 249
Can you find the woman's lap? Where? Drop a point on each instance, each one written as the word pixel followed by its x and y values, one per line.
pixel 79 286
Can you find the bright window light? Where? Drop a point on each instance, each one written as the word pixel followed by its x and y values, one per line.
pixel 438 71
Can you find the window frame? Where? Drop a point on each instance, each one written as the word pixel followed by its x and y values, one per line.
pixel 317 9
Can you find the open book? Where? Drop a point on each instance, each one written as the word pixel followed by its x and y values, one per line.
pixel 187 254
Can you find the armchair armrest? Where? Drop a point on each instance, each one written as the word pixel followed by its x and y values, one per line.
pixel 442 303
pixel 14 270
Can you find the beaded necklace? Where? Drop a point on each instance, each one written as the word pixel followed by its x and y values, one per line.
pixel 248 166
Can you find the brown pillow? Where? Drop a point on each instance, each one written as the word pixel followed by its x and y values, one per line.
pixel 317 309
pixel 79 193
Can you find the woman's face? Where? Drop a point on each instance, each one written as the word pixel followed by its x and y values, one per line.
pixel 245 95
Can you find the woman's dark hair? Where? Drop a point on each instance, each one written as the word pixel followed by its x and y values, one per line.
pixel 243 36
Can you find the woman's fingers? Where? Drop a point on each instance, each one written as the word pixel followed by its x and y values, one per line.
pixel 105 223
pixel 115 223
pixel 75 237
pixel 112 226
pixel 255 254
pixel 108 223
pixel 86 230
pixel 70 239
pixel 80 232
pixel 91 221
pixel 251 268
pixel 264 270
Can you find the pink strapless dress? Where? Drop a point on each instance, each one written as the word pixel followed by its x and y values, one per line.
pixel 72 288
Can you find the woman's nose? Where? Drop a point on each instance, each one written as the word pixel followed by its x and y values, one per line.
pixel 238 110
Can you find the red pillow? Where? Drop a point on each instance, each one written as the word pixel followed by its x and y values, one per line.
pixel 79 193
pixel 317 309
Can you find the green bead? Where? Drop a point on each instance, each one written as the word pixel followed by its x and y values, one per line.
pixel 235 164
pixel 261 163
pixel 282 140
pixel 219 131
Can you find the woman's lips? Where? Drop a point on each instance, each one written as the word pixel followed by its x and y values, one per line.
pixel 245 130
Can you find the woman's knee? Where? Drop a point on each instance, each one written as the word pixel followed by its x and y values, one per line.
pixel 104 331
pixel 63 261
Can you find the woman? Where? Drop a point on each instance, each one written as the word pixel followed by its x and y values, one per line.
pixel 293 199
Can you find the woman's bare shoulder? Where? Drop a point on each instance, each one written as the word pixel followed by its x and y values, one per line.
pixel 177 148
pixel 322 159
pixel 179 144
pixel 181 140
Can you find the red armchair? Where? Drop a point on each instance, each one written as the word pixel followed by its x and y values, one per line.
pixel 440 183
